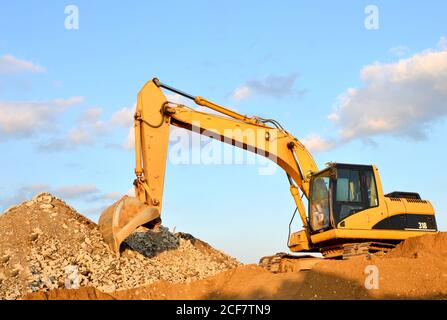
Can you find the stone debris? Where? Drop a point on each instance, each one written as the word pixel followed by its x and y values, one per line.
pixel 45 244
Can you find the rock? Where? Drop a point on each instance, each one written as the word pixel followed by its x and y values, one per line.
pixel 18 266
pixel 43 197
pixel 37 230
pixel 77 243
pixel 30 203
pixel 9 209
pixel 4 259
pixel 13 273
pixel 34 236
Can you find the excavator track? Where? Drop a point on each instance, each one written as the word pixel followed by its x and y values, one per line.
pixel 283 262
pixel 348 250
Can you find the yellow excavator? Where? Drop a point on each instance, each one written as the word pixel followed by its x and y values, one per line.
pixel 347 212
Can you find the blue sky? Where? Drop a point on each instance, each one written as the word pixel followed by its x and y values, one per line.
pixel 67 96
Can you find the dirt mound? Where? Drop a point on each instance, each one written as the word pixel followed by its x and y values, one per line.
pixel 429 245
pixel 400 275
pixel 87 293
pixel 242 282
pixel 45 244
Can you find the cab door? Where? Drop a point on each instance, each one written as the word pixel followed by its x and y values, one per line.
pixel 356 197
pixel 320 202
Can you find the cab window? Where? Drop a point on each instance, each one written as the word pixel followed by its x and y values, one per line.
pixel 355 190
pixel 371 190
pixel 348 193
pixel 320 203
pixel 348 186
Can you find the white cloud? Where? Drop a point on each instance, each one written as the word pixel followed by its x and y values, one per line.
pixel 91 125
pixel 102 201
pixel 130 140
pixel 242 93
pixel 21 194
pixel 272 86
pixel 69 102
pixel 131 192
pixel 403 99
pixel 91 115
pixel 12 65
pixel 89 128
pixel 75 191
pixel 103 197
pixel 94 213
pixel 399 51
pixel 123 117
pixel 78 136
pixel 24 119
pixel 315 143
pixel 442 43
pixel 176 98
pixel 87 193
pixel 112 195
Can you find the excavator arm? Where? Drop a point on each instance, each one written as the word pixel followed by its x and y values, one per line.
pixel 153 117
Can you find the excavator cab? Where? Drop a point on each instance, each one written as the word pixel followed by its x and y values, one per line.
pixel 338 192
pixel 348 213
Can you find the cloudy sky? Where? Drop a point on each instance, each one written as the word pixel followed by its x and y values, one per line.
pixel 349 92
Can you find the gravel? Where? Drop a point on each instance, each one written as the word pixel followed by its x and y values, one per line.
pixel 45 244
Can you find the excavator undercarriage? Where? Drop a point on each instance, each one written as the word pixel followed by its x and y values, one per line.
pixel 348 250
pixel 284 262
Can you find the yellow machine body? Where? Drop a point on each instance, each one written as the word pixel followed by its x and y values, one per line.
pixel 395 217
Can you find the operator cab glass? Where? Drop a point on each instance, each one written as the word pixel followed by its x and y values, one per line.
pixel 348 192
pixel 320 201
pixel 339 192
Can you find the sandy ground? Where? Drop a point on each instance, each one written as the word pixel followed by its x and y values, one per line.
pixel 35 247
pixel 417 269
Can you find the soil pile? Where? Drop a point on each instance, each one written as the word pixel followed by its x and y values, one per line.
pixel 416 269
pixel 434 246
pixel 45 244
pixel 47 247
pixel 398 275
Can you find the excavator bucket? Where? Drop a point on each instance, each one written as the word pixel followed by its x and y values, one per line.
pixel 119 220
pixel 151 143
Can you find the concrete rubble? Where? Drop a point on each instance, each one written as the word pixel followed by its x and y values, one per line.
pixel 45 244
